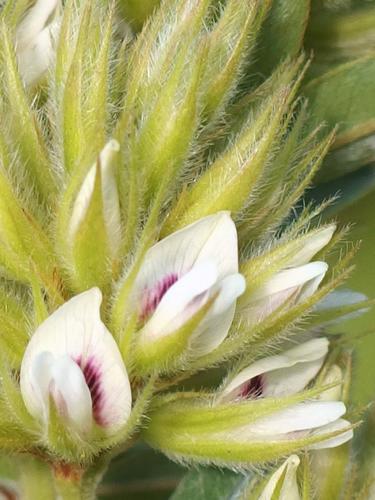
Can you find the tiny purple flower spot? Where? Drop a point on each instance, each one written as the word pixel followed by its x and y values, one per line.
pixel 253 388
pixel 152 296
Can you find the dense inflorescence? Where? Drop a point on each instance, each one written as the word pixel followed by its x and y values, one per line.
pixel 149 233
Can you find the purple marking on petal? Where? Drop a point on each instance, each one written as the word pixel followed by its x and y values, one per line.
pixel 152 296
pixel 92 374
pixel 253 388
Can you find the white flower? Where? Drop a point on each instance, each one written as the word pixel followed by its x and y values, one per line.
pixel 287 473
pixel 313 242
pixel 35 39
pixel 73 359
pixel 299 421
pixel 111 204
pixel 279 375
pixel 284 375
pixel 295 285
pixel 181 273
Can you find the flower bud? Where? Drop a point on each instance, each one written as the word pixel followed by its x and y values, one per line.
pixel 109 195
pixel 280 375
pixel 73 360
pixel 35 39
pixel 94 227
pixel 189 270
pixel 284 274
pixel 289 285
pixel 311 244
pixel 283 482
pixel 245 432
pixel 287 374
pixel 258 416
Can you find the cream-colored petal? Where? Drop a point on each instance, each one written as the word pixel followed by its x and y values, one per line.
pixel 35 59
pixel 35 388
pixel 76 330
pixel 111 204
pixel 289 488
pixel 284 373
pixel 342 438
pixel 314 242
pixel 289 279
pixel 213 239
pixel 62 379
pixel 181 301
pixel 299 417
pixel 34 22
pixel 288 381
pixel 71 394
pixel 311 286
pixel 334 376
pixel 296 284
pixel 215 326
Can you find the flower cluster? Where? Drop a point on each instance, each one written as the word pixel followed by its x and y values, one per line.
pixel 146 242
pixel 188 281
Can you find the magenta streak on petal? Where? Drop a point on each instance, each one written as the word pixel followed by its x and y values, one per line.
pixel 92 376
pixel 152 296
pixel 253 388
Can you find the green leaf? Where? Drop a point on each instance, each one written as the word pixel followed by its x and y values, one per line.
pixel 23 242
pixel 140 474
pixel 230 43
pixel 339 36
pixel 345 97
pixel 97 91
pixel 12 403
pixel 350 189
pixel 81 84
pixel 362 280
pixel 211 484
pixel 282 34
pixel 330 466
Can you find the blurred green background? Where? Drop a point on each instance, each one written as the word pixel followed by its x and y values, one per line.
pixel 362 215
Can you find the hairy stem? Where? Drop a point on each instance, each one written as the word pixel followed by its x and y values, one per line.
pixel 69 483
pixel 36 480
